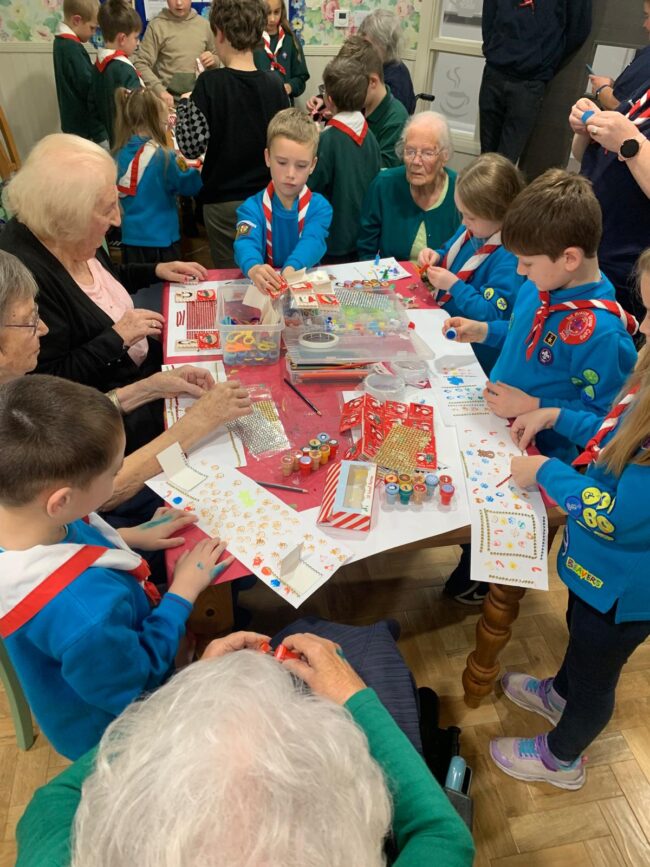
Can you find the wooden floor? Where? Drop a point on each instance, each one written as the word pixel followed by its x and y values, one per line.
pixel 605 824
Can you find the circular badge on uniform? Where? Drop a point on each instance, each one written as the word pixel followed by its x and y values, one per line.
pixel 573 505
pixel 577 327
pixel 488 293
pixel 545 355
pixel 502 304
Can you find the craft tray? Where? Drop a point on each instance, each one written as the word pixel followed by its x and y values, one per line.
pixel 246 342
pixel 367 327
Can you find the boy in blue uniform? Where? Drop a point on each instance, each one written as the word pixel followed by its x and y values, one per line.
pixel 348 155
pixel 568 341
pixel 604 563
pixel 285 226
pixel 76 609
pixel 473 274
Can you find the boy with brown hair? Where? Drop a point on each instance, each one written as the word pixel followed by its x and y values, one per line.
pixel 285 225
pixel 386 115
pixel 348 158
pixel 121 26
pixel 226 117
pixel 176 47
pixel 73 70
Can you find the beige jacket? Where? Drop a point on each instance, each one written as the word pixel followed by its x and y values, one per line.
pixel 166 59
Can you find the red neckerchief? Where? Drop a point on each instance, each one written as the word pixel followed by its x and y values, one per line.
pixel 102 64
pixel 633 112
pixel 273 55
pixel 467 272
pixel 267 206
pixel 72 36
pixel 357 137
pixel 546 308
pixel 592 449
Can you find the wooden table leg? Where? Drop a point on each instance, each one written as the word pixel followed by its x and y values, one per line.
pixel 493 632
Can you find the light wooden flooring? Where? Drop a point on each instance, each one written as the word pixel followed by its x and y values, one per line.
pixel 605 824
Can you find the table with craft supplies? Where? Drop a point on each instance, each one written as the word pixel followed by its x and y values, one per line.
pixel 298 417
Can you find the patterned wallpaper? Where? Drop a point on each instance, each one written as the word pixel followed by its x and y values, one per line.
pixel 313 20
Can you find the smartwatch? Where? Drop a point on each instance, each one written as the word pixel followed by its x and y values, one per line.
pixel 630 148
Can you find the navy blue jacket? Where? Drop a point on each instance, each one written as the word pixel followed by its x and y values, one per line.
pixel 635 75
pixel 531 41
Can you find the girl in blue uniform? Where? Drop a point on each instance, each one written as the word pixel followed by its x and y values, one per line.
pixel 603 561
pixel 150 176
pixel 473 275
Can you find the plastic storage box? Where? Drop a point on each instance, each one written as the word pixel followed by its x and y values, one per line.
pixel 243 340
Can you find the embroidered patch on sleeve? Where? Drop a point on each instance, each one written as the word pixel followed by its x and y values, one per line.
pixel 244 227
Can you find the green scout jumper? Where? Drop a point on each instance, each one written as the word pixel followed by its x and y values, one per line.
pixel 343 174
pixel 107 77
pixel 290 58
pixel 73 70
pixel 386 123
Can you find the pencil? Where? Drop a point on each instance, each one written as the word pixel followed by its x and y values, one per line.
pixel 503 481
pixel 302 396
pixel 283 487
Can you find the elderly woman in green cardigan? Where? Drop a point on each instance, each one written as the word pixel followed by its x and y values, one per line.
pixel 233 762
pixel 412 206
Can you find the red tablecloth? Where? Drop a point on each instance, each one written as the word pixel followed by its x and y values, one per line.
pixel 300 423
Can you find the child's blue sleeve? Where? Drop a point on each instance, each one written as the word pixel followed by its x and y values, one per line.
pixel 620 513
pixel 312 244
pixel 598 370
pixel 250 240
pixel 111 663
pixel 181 180
pixel 577 425
pixel 496 334
pixel 491 300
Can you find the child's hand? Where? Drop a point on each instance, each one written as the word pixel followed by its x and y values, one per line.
pixel 196 569
pixel 233 642
pixel 525 426
pixel 266 279
pixel 441 279
pixel 158 533
pixel 464 330
pixel 524 469
pixel 288 89
pixel 506 401
pixel 167 98
pixel 428 257
pixel 208 59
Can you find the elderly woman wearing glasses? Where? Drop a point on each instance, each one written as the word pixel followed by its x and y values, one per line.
pixel 21 330
pixel 412 206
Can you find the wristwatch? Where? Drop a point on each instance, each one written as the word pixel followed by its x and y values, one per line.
pixel 630 148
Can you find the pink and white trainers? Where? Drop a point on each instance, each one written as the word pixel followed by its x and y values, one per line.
pixel 530 760
pixel 533 694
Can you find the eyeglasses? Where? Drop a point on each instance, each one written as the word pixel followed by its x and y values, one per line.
pixel 33 324
pixel 427 156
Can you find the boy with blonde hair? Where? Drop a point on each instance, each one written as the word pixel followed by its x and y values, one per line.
pixel 285 225
pixel 121 26
pixel 348 155
pixel 73 70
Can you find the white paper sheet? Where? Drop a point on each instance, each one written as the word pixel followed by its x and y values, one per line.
pixel 386 269
pixel 282 547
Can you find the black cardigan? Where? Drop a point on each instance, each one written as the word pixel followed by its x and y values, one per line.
pixel 82 344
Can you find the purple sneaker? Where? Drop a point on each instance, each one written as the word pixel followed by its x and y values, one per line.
pixel 533 694
pixel 530 760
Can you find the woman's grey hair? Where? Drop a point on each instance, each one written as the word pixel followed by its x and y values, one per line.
pixel 16 284
pixel 439 127
pixel 56 190
pixel 384 30
pixel 232 763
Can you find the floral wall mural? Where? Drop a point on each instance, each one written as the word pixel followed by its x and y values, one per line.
pixel 313 20
pixel 29 20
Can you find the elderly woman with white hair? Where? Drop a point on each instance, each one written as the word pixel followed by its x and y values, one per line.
pixel 235 763
pixel 64 199
pixel 21 330
pixel 412 206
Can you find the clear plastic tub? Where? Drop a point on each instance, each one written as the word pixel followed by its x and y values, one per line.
pixel 243 340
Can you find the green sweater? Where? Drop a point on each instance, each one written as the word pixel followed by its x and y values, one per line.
pixel 73 70
pixel 386 123
pixel 427 829
pixel 343 174
pixel 291 58
pixel 390 218
pixel 104 84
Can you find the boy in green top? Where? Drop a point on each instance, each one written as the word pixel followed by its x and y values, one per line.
pixel 121 26
pixel 386 115
pixel 281 50
pixel 348 157
pixel 73 70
